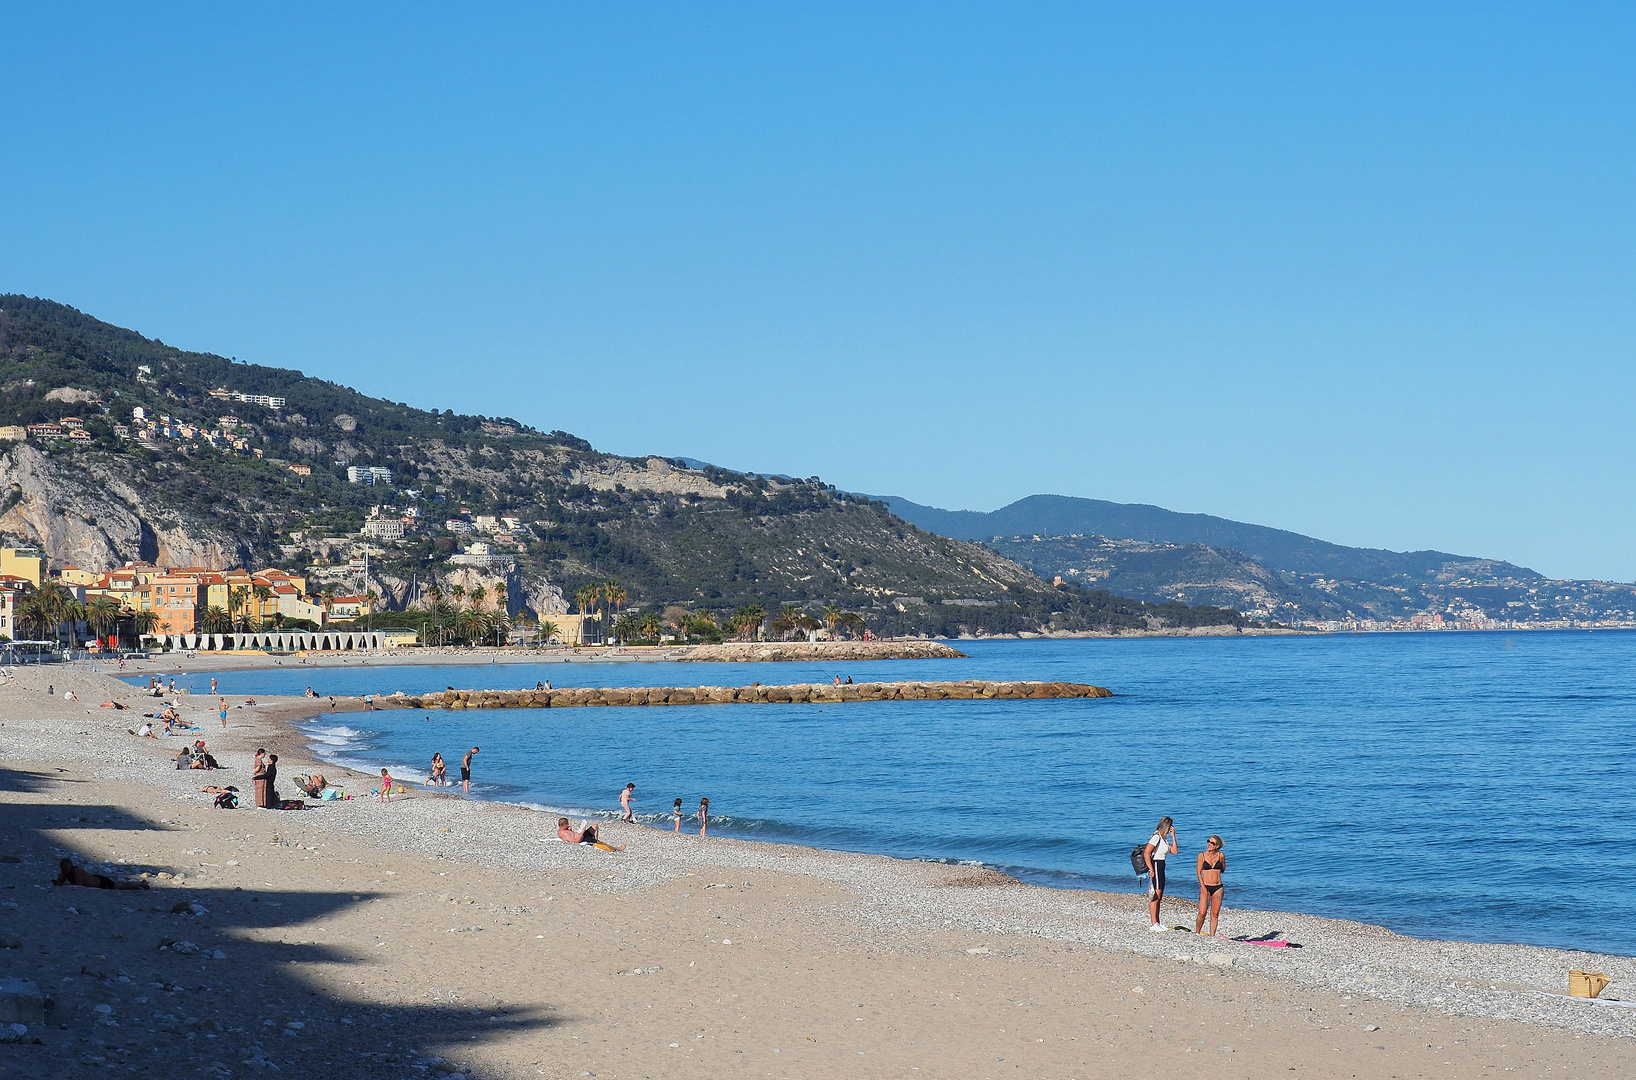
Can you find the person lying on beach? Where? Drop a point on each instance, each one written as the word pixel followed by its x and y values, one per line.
pixel 587 835
pixel 113 705
pixel 73 875
pixel 312 786
pixel 214 790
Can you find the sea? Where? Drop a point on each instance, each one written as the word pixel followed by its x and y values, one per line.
pixel 1467 786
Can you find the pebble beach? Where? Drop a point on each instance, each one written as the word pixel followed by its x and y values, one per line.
pixel 438 935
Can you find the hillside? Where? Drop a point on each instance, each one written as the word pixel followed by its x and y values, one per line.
pixel 189 458
pixel 1157 555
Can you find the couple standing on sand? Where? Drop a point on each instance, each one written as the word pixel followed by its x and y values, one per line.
pixel 1209 866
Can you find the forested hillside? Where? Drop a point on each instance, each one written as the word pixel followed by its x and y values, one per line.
pixel 219 480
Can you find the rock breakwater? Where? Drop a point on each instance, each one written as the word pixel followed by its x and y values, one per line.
pixel 755 694
pixel 751 651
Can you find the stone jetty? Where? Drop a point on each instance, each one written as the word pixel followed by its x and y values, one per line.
pixel 800 693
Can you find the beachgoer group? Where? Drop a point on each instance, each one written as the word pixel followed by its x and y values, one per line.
pixel 1208 868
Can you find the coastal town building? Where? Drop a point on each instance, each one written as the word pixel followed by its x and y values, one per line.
pixel 483 557
pixel 384 529
pixel 23 563
pixel 264 400
pixel 175 600
pixel 368 474
pixel 13 433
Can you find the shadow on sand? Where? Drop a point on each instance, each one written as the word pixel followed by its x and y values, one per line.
pixel 275 1005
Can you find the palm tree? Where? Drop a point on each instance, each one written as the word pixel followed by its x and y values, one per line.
pixel 627 626
pixel 371 597
pixel 784 621
pixel 852 621
pixel 263 594
pixel 326 597
pixel 586 597
pixel 614 594
pixel 102 613
pixel 143 623
pixel 832 618
pixel 651 625
pixel 478 594
pixel 73 613
pixel 34 612
pixel 213 620
pixel 471 625
pixel 236 601
pixel 502 597
pixel 747 620
pixel 458 592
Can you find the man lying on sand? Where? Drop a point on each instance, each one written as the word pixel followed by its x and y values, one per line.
pixel 585 836
pixel 112 705
pixel 73 875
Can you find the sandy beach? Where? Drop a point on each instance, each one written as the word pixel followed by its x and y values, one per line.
pixel 438 935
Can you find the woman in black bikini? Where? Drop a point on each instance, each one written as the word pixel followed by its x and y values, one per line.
pixel 1212 861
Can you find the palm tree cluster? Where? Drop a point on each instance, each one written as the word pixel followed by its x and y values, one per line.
pixel 606 594
pixel 52 611
pixel 463 617
pixel 46 609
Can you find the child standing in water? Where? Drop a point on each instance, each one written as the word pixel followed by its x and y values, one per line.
pixel 676 813
pixel 703 815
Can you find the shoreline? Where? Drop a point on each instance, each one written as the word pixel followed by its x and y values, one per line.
pixel 1076 966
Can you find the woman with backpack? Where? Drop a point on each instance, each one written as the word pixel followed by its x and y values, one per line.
pixel 1160 844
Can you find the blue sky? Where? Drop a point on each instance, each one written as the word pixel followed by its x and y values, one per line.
pixel 1364 272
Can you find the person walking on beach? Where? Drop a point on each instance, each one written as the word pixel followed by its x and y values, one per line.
pixel 465 770
pixel 1160 844
pixel 625 801
pixel 212 686
pixel 221 706
pixel 677 815
pixel 703 815
pixel 386 786
pixel 1212 861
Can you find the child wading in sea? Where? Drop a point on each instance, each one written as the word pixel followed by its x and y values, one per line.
pixel 677 815
pixel 703 815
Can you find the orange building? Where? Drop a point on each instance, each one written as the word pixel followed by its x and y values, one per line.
pixel 175 599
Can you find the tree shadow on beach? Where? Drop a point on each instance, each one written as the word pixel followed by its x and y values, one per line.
pixel 197 978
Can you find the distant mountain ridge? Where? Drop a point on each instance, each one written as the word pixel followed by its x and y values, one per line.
pixel 1278 549
pixel 1160 556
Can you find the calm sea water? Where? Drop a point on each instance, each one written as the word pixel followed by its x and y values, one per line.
pixel 1467 786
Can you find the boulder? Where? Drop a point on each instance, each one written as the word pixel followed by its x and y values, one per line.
pixel 21 1002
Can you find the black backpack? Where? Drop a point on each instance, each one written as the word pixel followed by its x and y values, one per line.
pixel 1138 859
pixel 226 800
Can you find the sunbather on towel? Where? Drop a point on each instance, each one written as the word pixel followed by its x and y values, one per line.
pixel 586 836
